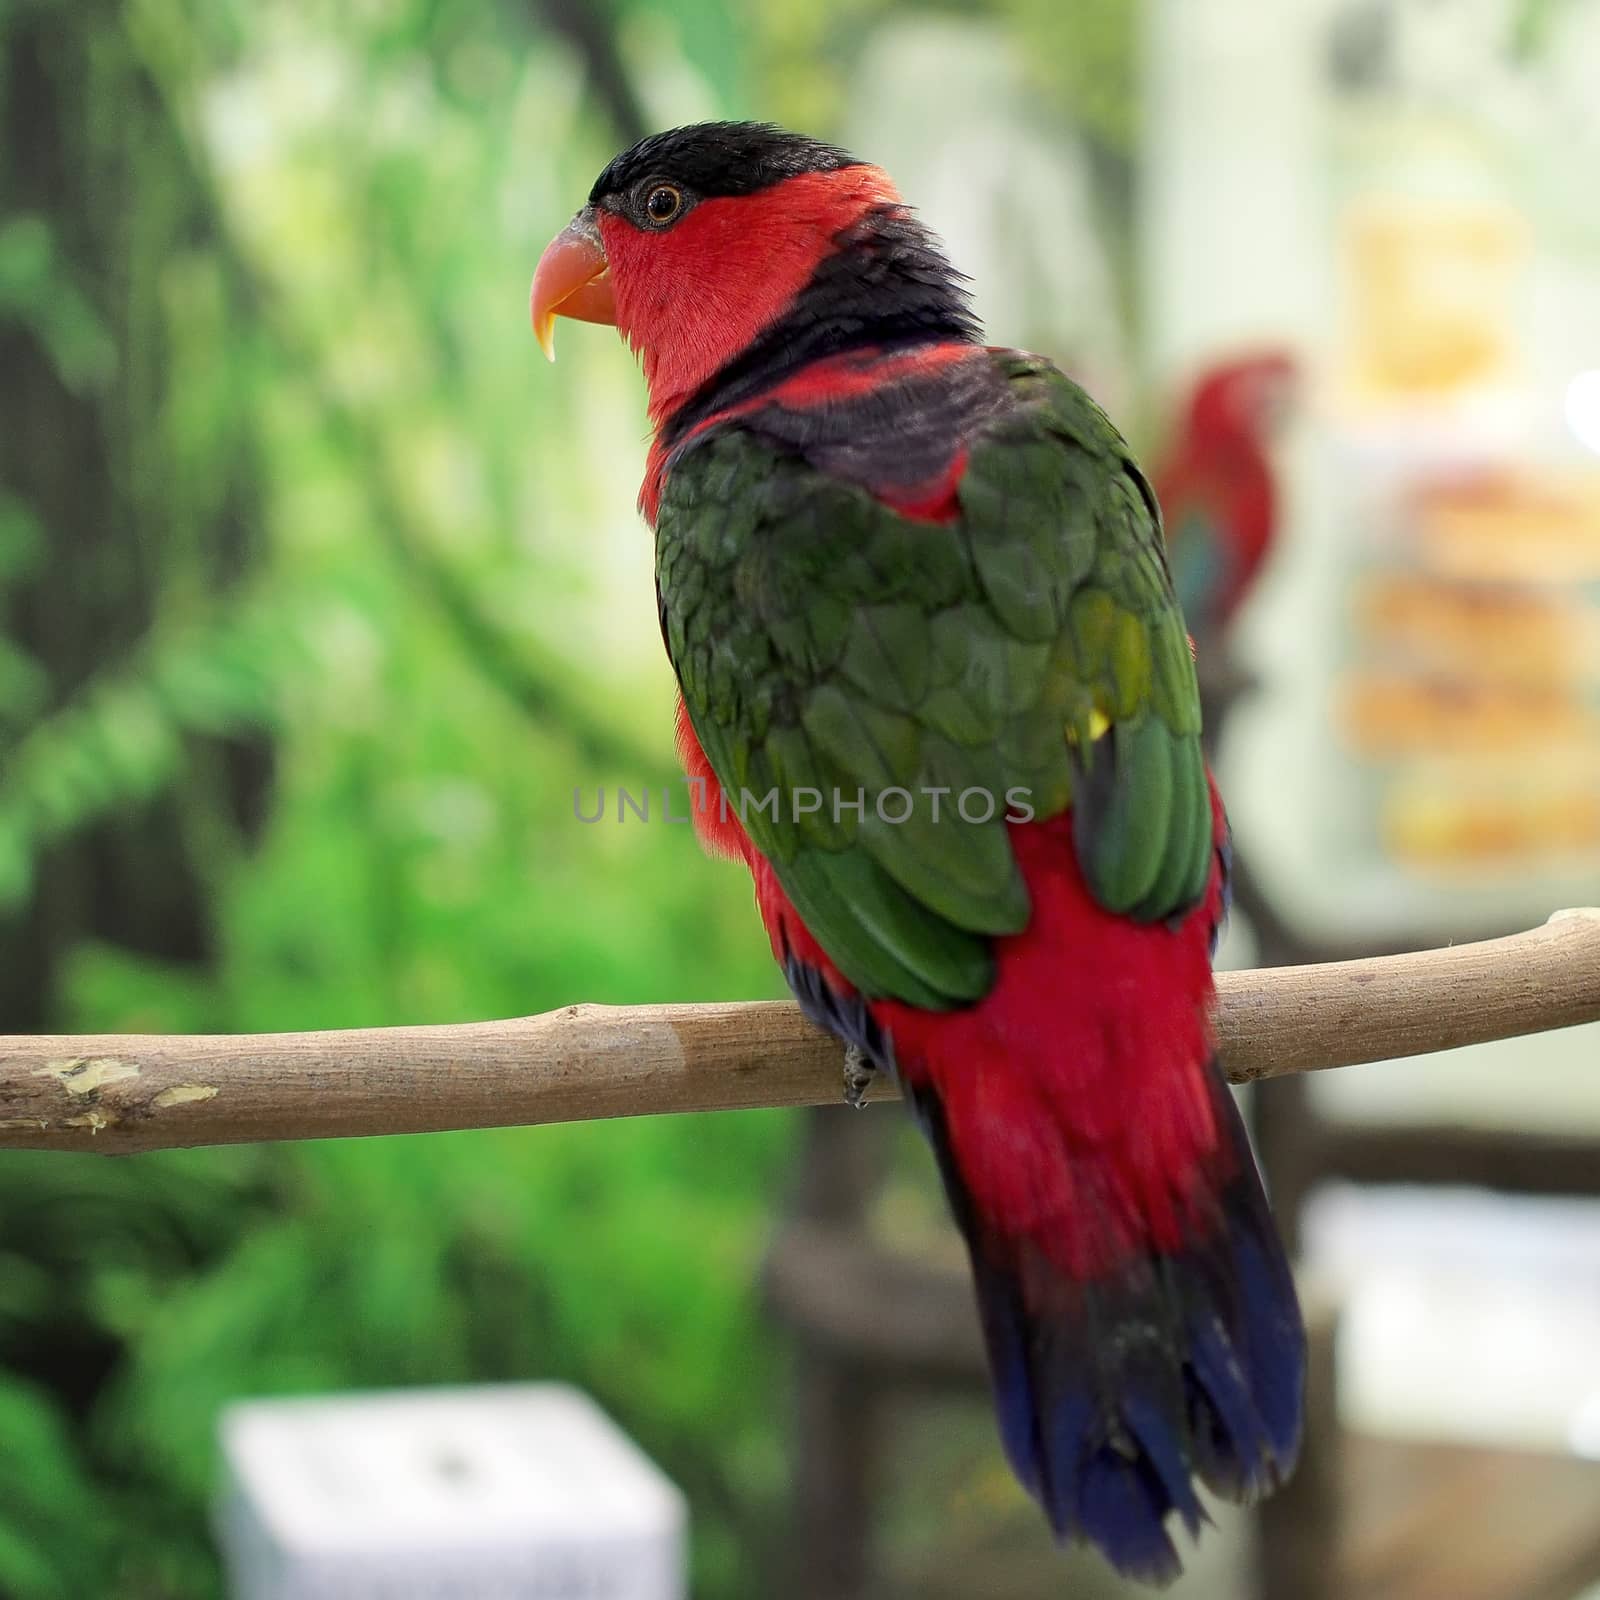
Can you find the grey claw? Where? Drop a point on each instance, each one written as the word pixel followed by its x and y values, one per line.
pixel 858 1076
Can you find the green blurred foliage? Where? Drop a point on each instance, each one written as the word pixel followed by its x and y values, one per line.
pixel 446 630
pixel 1087 56
pixel 1083 55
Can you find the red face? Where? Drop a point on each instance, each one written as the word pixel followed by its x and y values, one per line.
pixel 689 282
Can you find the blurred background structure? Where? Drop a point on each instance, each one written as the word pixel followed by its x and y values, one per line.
pixel 323 602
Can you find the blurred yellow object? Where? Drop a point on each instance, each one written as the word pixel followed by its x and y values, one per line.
pixel 1523 526
pixel 1521 637
pixel 1431 296
pixel 1478 647
pixel 1387 712
pixel 1438 819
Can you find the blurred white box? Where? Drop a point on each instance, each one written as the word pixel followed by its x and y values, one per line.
pixel 499 1492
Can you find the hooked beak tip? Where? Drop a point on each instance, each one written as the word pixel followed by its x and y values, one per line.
pixel 544 330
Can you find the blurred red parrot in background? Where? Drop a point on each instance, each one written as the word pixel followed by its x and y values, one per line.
pixel 1218 491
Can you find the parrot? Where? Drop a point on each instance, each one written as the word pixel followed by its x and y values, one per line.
pixel 1217 489
pixel 936 693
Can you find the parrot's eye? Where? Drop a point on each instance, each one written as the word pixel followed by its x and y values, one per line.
pixel 663 203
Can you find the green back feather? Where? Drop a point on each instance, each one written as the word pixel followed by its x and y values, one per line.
pixel 1031 648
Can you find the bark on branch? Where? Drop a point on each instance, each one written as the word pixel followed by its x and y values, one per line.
pixel 116 1094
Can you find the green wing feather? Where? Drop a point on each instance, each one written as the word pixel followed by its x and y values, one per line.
pixel 1032 647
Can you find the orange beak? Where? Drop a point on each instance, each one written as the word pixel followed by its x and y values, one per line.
pixel 571 281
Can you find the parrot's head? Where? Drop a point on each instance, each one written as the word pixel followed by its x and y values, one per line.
pixel 697 241
pixel 1250 395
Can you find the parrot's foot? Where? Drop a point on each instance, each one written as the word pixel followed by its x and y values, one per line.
pixel 858 1076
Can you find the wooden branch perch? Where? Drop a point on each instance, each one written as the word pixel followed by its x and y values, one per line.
pixel 121 1093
